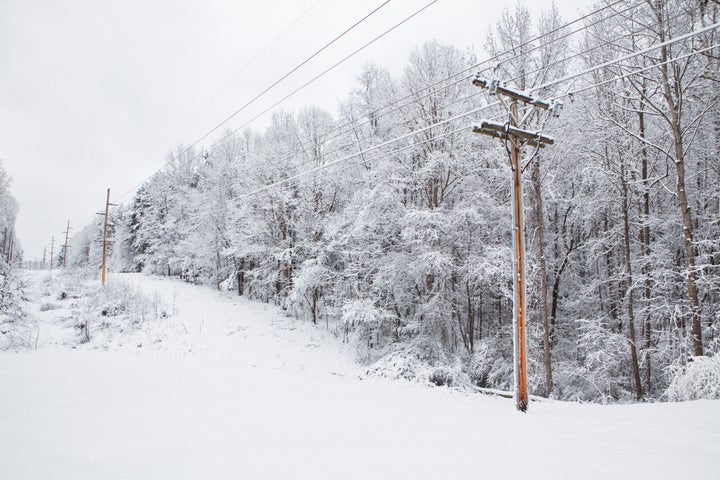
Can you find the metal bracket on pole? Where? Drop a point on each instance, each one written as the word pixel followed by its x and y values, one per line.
pixel 501 130
pixel 495 87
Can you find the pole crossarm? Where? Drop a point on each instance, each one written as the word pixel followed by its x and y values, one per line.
pixel 504 130
pixel 495 87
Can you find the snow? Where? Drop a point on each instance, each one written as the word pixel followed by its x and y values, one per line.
pixel 278 399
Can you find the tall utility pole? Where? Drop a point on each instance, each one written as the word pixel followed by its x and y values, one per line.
pixel 65 246
pixel 515 139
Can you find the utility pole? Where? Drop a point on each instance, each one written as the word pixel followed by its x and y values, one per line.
pixel 65 247
pixel 105 239
pixel 52 249
pixel 515 138
pixel 4 242
pixel 12 247
pixel 105 228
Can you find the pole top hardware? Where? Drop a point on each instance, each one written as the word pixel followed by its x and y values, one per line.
pixel 495 87
pixel 502 130
pixel 556 107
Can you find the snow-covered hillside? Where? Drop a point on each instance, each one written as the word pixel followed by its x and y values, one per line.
pixel 210 386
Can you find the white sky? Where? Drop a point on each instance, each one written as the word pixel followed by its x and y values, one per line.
pixel 93 94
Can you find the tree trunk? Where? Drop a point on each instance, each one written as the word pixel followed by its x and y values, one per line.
pixel 673 95
pixel 690 265
pixel 645 252
pixel 241 278
pixel 539 219
pixel 629 285
pixel 470 319
pixel 315 296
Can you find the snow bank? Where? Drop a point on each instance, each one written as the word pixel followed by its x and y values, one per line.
pixel 88 415
pixel 232 389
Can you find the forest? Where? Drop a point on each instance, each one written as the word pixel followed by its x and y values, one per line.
pixel 11 285
pixel 388 222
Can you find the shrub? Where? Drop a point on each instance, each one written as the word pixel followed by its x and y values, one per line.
pixel 698 379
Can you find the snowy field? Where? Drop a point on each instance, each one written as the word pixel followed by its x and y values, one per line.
pixel 210 386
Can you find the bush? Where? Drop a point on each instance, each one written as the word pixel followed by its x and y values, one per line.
pixel 404 364
pixel 118 299
pixel 413 364
pixel 698 379
pixel 490 367
pixel 46 307
pixel 449 376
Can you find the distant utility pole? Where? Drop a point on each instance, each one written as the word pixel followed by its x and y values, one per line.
pixel 52 249
pixel 514 139
pixel 105 240
pixel 65 247
pixel 12 247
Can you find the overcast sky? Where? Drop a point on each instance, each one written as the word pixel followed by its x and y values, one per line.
pixel 94 93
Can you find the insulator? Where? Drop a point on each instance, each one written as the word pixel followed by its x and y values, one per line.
pixel 555 107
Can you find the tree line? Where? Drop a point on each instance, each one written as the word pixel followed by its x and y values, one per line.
pixel 404 248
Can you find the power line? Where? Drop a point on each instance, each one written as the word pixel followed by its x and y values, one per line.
pixel 370 149
pixel 495 57
pixel 331 167
pixel 337 131
pixel 342 147
pixel 321 74
pixel 236 74
pixel 641 70
pixel 286 75
pixel 572 93
pixel 194 144
pixel 628 56
pixel 300 150
pixel 334 169
pixel 412 95
pixel 284 184
pixel 473 111
pixel 339 148
pixel 216 93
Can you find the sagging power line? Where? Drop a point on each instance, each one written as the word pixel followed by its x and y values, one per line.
pixel 610 6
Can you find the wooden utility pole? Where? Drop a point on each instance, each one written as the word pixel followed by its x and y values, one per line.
pixel 519 285
pixel 52 249
pixel 12 247
pixel 515 139
pixel 65 246
pixel 4 242
pixel 105 229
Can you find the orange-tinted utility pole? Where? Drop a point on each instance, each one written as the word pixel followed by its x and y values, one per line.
pixel 515 139
pixel 519 283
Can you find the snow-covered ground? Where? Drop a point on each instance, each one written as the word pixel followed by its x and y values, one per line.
pixel 225 388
